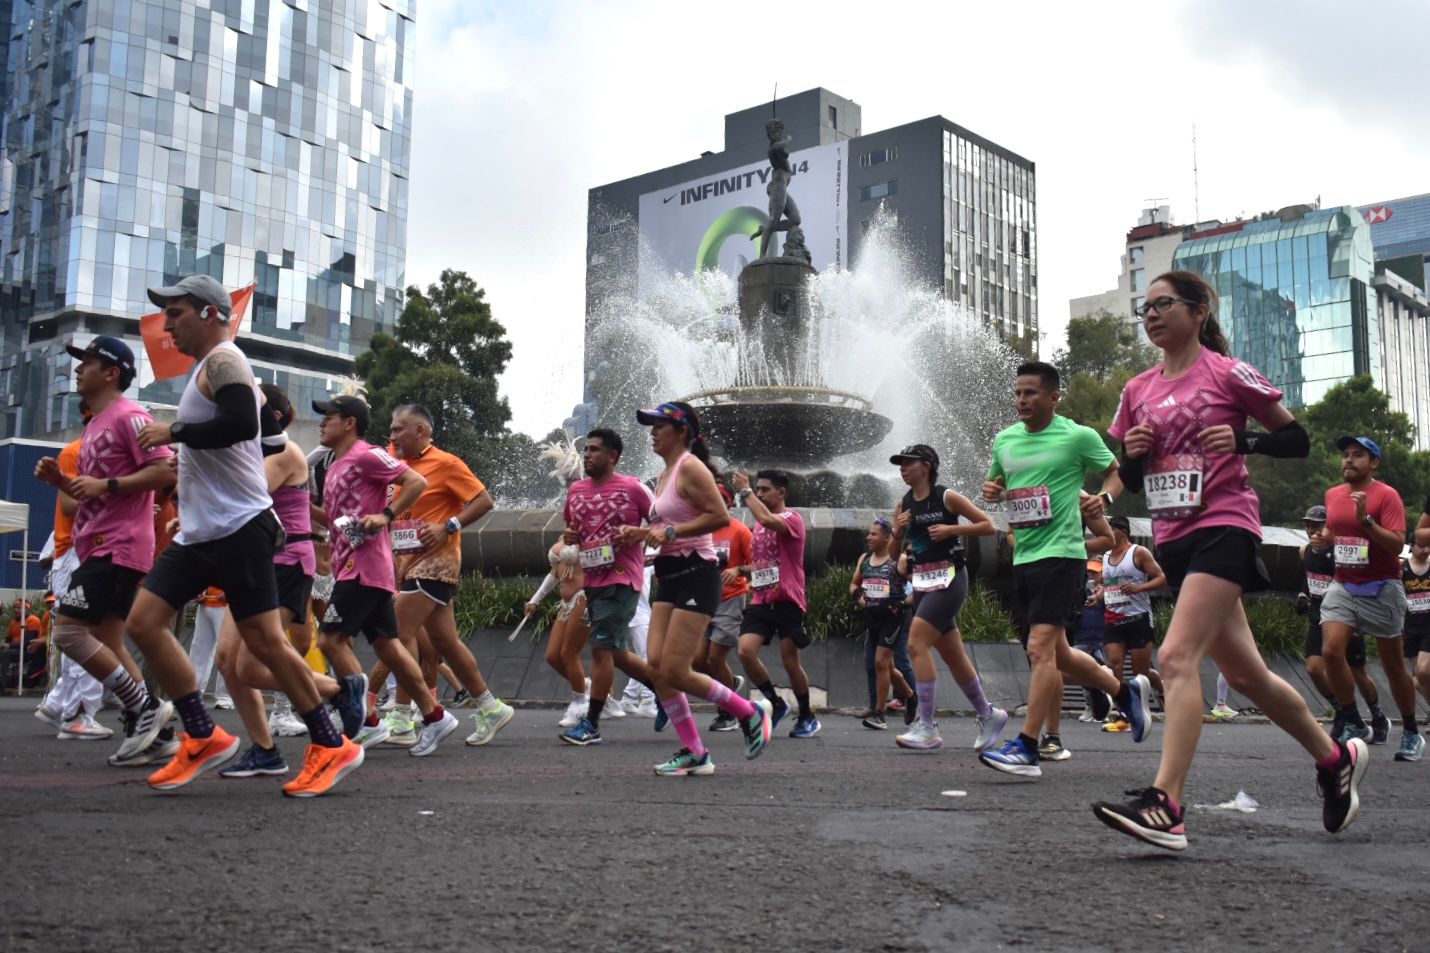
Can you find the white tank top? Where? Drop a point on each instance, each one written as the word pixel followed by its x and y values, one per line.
pixel 219 490
pixel 1123 572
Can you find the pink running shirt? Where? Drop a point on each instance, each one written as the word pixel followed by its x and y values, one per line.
pixel 598 510
pixel 786 553
pixel 117 525
pixel 356 486
pixel 1216 390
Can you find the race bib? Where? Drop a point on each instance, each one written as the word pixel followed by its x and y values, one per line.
pixel 935 576
pixel 1418 603
pixel 876 590
pixel 406 536
pixel 764 577
pixel 598 557
pixel 1317 584
pixel 1028 507
pixel 1352 551
pixel 1113 597
pixel 1173 485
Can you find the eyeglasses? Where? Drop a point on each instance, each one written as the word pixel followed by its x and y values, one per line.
pixel 1161 305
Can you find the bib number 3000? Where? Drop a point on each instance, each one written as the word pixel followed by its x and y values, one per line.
pixel 1029 507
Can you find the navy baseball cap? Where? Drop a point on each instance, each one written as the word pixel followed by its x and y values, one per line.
pixel 1370 446
pixel 669 413
pixel 112 351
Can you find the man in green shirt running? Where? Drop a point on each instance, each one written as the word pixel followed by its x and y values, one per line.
pixel 1037 471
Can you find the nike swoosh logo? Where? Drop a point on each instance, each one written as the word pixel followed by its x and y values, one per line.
pixel 666 200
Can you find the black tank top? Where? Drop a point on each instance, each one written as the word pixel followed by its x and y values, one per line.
pixel 1320 569
pixel 893 586
pixel 930 512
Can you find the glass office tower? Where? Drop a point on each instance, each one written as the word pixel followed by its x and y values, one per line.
pixel 1297 297
pixel 252 140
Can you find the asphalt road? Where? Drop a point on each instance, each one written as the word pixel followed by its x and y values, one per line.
pixel 841 842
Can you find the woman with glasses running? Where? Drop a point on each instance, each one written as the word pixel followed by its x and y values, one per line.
pixel 687 509
pixel 878 586
pixel 1182 425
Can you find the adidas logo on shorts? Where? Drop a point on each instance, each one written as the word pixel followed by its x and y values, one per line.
pixel 331 616
pixel 75 599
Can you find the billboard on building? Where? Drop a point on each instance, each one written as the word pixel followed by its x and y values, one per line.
pixel 707 222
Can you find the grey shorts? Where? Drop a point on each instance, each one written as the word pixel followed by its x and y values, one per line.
pixel 1381 615
pixel 725 624
pixel 611 609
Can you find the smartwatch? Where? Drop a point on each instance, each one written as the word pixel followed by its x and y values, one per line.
pixel 670 532
pixel 176 432
pixel 1367 520
pixel 113 485
pixel 387 511
pixel 1106 499
pixel 454 525
pixel 743 493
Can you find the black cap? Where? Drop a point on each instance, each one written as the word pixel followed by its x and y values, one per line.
pixel 914 452
pixel 346 405
pixel 1120 522
pixel 112 351
pixel 1316 514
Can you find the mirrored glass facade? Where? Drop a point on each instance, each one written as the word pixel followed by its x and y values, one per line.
pixel 1297 298
pixel 252 140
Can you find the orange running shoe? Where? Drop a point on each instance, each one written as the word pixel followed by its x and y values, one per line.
pixel 196 755
pixel 323 768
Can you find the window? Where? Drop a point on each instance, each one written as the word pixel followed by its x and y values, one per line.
pixel 1135 254
pixel 878 190
pixel 1137 279
pixel 834 117
pixel 1137 303
pixel 878 157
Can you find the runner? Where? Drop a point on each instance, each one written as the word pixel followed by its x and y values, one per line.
pixel 596 509
pixel 113 535
pixel 1416 579
pixel 356 498
pixel 878 587
pixel 1366 520
pixel 637 699
pixel 732 549
pixel 286 472
pixel 687 508
pixel 1319 561
pixel 571 627
pixel 1037 469
pixel 1129 573
pixel 227 538
pixel 1180 424
pixel 777 608
pixel 936 520
pixel 427 544
pixel 1092 627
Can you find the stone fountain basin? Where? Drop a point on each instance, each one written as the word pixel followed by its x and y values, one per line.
pixel 787 426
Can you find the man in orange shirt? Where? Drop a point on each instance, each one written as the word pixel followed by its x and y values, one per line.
pixel 733 548
pixel 427 551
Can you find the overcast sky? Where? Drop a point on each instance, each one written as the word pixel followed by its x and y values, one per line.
pixel 521 107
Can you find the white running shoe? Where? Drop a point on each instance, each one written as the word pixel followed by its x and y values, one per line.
pixel 487 722
pixel 990 728
pixel 647 708
pixel 55 719
pixel 430 736
pixel 920 737
pixel 223 702
pixel 1224 712
pixel 1087 717
pixel 402 729
pixel 371 735
pixel 613 709
pixel 575 711
pixel 287 725
pixel 84 728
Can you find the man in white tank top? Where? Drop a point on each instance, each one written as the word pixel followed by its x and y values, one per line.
pixel 227 538
pixel 1129 573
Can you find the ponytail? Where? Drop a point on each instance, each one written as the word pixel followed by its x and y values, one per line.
pixel 1195 288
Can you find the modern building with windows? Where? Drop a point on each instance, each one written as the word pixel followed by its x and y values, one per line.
pixel 1400 234
pixel 965 206
pixel 1297 296
pixel 1148 251
pixel 148 139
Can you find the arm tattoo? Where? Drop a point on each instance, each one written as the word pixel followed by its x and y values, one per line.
pixel 224 368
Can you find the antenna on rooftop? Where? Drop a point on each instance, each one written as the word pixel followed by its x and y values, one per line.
pixel 773 97
pixel 1196 188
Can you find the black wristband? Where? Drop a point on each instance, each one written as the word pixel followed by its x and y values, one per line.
pixel 1290 442
pixel 113 485
pixel 387 511
pixel 1132 471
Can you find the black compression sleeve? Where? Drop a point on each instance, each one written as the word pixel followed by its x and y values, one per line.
pixel 1131 471
pixel 1290 442
pixel 237 420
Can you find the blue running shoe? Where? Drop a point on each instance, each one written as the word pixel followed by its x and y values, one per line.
pixel 584 733
pixel 805 728
pixel 1014 757
pixel 661 718
pixel 777 712
pixel 256 761
pixel 1138 714
pixel 351 703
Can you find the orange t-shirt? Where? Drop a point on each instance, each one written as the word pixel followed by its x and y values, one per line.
pixel 450 487
pixel 166 508
pixel 213 598
pixel 735 539
pixel 64 525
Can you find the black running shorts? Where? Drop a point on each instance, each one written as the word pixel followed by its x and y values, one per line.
pixel 772 620
pixel 99 589
pixel 294 589
pixel 1227 552
pixel 1355 648
pixel 940 608
pixel 439 592
pixel 1051 590
pixel 1135 634
pixel 357 608
pixel 241 564
pixel 689 583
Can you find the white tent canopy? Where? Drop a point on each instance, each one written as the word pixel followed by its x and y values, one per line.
pixel 15 518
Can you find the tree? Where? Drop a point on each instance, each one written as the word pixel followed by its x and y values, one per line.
pixel 1100 344
pixel 447 354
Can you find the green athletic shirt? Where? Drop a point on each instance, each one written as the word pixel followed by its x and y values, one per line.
pixel 1056 457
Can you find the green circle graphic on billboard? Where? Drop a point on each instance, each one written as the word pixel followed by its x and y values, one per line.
pixel 738 222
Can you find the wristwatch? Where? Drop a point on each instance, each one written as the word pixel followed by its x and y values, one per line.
pixel 1106 499
pixel 670 533
pixel 454 525
pixel 1367 520
pixel 387 511
pixel 176 432
pixel 743 493
pixel 113 485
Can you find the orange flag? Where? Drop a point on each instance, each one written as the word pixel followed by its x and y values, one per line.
pixel 164 356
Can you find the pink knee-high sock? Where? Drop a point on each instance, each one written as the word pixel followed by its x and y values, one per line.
pixel 677 709
pixel 728 702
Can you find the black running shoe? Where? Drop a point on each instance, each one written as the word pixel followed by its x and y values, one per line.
pixel 724 722
pixel 1101 705
pixel 875 721
pixel 911 709
pixel 1150 818
pixel 1379 729
pixel 1340 786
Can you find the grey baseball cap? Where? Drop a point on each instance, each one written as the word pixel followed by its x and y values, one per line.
pixel 202 287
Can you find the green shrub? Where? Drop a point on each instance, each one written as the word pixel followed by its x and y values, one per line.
pixel 484 603
pixel 985 619
pixel 1275 625
pixel 832 612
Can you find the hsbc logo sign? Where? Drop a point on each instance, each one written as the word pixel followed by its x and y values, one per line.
pixel 1378 214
